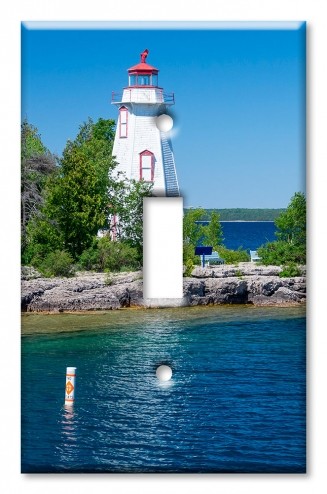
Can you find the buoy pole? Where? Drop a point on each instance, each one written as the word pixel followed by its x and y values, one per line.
pixel 70 385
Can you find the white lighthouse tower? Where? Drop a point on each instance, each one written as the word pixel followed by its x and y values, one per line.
pixel 141 149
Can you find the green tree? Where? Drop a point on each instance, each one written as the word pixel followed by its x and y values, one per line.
pixel 42 237
pixel 105 254
pixel 290 248
pixel 128 204
pixel 233 256
pixel 291 224
pixel 213 233
pixel 37 164
pixel 81 197
pixel 31 143
pixel 57 263
pixel 195 233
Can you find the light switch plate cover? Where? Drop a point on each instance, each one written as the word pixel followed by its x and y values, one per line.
pixel 232 395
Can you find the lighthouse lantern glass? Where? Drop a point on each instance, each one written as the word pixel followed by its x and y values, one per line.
pixel 143 80
pixel 154 80
pixel 132 80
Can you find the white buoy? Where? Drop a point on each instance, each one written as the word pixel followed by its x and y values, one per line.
pixel 70 385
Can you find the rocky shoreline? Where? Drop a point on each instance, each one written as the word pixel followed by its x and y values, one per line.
pixel 246 283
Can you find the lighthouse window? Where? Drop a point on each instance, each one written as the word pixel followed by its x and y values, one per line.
pixel 146 166
pixel 144 80
pixel 132 80
pixel 154 80
pixel 123 112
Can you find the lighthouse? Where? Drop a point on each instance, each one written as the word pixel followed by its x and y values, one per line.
pixel 142 148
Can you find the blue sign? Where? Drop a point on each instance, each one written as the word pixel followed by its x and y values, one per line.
pixel 199 251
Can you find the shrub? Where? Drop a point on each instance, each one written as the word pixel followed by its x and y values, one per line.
pixel 57 263
pixel 42 238
pixel 188 267
pixel 108 280
pixel 88 260
pixel 125 269
pixel 105 254
pixel 188 254
pixel 290 248
pixel 239 274
pixel 282 253
pixel 233 256
pixel 290 271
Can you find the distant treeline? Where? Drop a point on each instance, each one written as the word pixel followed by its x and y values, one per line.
pixel 243 214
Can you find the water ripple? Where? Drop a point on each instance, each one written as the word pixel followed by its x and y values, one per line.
pixel 236 401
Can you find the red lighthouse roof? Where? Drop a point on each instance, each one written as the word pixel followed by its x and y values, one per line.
pixel 143 67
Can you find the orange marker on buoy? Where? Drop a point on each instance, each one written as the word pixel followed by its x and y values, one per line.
pixel 70 385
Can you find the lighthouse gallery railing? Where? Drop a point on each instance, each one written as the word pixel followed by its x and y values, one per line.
pixel 144 96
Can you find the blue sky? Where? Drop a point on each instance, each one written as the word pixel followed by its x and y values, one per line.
pixel 240 101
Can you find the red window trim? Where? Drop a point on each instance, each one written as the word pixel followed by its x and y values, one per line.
pixel 146 152
pixel 123 109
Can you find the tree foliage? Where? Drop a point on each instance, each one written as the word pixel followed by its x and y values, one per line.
pixel 31 143
pixel 291 224
pixel 107 255
pixel 233 256
pixel 129 212
pixel 196 233
pixel 57 263
pixel 290 248
pixel 37 164
pixel 79 198
pixel 213 233
pixel 42 237
pixel 193 232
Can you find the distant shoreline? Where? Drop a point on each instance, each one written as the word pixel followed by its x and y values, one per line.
pixel 245 221
pixel 238 221
pixel 241 214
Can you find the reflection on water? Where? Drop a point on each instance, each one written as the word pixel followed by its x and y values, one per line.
pixel 33 323
pixel 67 448
pixel 236 400
pixel 69 424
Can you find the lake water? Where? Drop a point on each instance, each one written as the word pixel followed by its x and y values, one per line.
pixel 235 403
pixel 248 235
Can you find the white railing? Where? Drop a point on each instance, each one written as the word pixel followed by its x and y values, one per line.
pixel 143 95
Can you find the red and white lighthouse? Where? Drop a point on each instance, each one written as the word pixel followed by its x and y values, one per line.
pixel 142 149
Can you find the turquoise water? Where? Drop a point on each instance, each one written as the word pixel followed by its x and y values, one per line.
pixel 236 401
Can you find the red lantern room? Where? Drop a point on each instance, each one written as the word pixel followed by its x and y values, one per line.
pixel 143 74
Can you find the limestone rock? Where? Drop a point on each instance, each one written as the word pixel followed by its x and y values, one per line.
pixel 241 284
pixel 239 270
